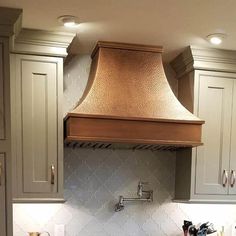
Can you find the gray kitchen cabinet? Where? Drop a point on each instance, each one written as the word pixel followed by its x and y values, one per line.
pixel 23 41
pixel 2 117
pixel 232 189
pixel 2 195
pixel 36 65
pixel 207 87
pixel 9 21
pixel 36 83
pixel 215 107
pixel 5 140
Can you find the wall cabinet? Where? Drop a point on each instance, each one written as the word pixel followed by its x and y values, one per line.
pixel 36 83
pixel 39 136
pixel 207 173
pixel 9 21
pixel 2 195
pixel 2 116
pixel 36 65
pixel 214 165
pixel 5 141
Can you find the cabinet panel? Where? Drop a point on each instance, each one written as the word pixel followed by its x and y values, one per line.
pixel 232 184
pixel 2 112
pixel 2 196
pixel 37 149
pixel 39 129
pixel 215 107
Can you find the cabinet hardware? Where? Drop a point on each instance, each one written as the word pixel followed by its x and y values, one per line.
pixel 232 178
pixel 0 173
pixel 52 174
pixel 225 178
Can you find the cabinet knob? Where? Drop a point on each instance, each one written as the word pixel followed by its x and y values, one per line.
pixel 232 178
pixel 225 178
pixel 52 174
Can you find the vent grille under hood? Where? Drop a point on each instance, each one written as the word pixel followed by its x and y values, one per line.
pixel 128 101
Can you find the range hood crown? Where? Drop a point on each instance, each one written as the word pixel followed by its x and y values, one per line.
pixel 128 100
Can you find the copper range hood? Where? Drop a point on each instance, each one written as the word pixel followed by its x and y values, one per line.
pixel 128 101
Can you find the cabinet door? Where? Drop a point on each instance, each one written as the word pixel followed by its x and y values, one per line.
pixel 232 183
pixel 215 107
pixel 2 196
pixel 39 126
pixel 5 141
pixel 39 153
pixel 2 112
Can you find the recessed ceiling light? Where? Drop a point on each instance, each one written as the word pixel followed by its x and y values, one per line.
pixel 216 39
pixel 68 21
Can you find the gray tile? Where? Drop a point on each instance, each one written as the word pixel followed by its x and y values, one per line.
pixel 132 228
pixel 94 179
pixel 120 178
pixel 114 229
pixel 103 172
pixel 98 200
pixel 94 228
pixel 106 213
pixel 95 159
pixel 85 190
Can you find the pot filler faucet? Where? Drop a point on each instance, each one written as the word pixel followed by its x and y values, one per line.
pixel 143 196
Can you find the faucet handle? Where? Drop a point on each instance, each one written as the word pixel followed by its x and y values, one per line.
pixel 140 188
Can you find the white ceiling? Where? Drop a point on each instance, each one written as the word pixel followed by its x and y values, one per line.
pixel 173 24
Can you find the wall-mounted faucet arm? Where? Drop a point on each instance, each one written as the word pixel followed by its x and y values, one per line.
pixel 140 192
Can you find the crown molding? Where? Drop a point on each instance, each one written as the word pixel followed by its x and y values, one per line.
pixel 40 42
pixel 10 21
pixel 31 41
pixel 195 58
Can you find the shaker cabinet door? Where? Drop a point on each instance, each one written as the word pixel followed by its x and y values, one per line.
pixel 2 196
pixel 213 158
pixel 232 177
pixel 39 126
pixel 39 123
pixel 2 97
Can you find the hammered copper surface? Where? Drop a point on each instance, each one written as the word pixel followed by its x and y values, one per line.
pixel 128 82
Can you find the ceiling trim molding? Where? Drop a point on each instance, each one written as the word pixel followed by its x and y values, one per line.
pixel 10 21
pixel 194 58
pixel 40 42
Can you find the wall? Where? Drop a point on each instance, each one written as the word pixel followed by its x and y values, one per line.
pixel 94 179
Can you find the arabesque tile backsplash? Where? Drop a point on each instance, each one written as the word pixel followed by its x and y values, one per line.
pixel 94 179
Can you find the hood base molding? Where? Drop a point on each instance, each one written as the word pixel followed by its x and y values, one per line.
pixel 106 130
